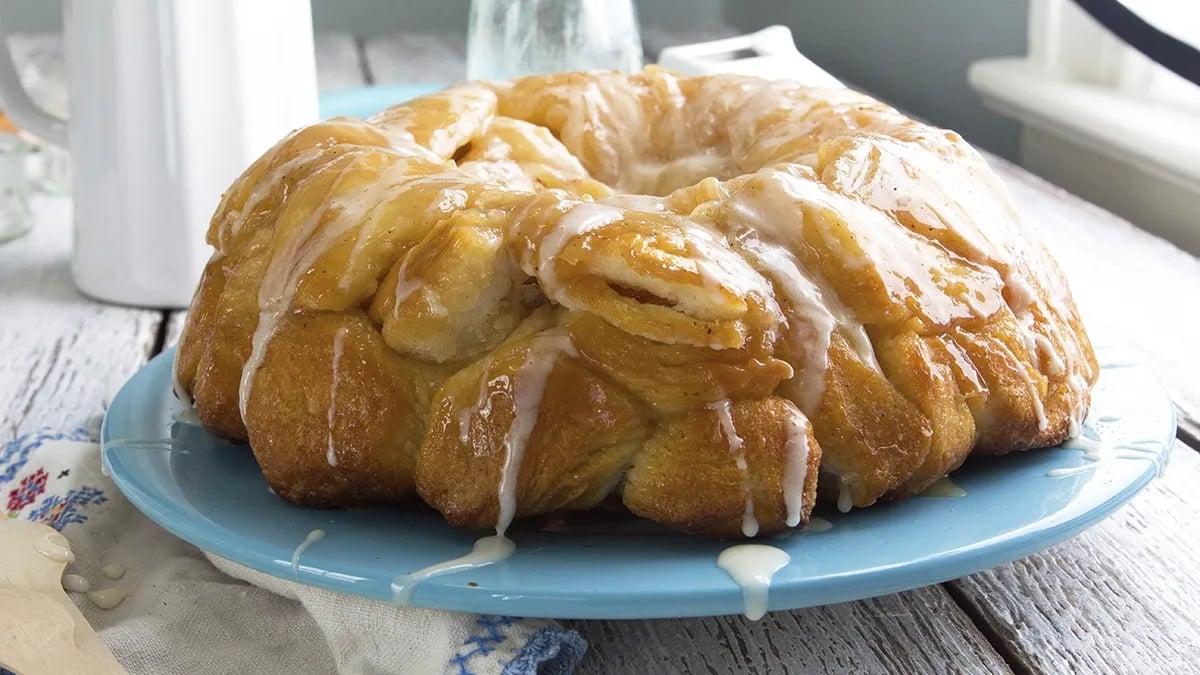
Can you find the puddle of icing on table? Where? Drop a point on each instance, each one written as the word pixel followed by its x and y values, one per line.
pixel 73 583
pixel 312 538
pixel 108 598
pixel 113 571
pixel 55 547
pixel 752 566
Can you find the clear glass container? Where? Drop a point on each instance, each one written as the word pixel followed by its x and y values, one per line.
pixel 511 38
pixel 15 216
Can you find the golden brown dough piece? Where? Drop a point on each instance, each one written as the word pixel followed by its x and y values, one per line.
pixel 692 295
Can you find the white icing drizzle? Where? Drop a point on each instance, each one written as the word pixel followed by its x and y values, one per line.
pixel 1035 395
pixel 944 487
pixel 482 406
pixel 528 387
pixel 487 550
pixel 73 583
pixel 339 339
pixel 724 411
pixel 55 547
pixel 1054 362
pixel 845 500
pixel 312 538
pixel 795 471
pixel 274 297
pixel 752 566
pixel 581 219
pixel 108 598
pixel 113 571
pixel 635 202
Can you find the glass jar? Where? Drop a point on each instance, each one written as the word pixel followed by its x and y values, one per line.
pixel 511 38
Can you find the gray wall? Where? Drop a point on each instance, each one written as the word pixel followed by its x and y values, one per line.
pixel 911 53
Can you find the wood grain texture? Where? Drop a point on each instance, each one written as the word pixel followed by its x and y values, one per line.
pixel 62 356
pixel 1123 597
pixel 920 631
pixel 1132 288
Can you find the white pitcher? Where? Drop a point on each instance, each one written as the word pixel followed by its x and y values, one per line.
pixel 169 101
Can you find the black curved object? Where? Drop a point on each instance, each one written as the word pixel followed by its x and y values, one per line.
pixel 1166 50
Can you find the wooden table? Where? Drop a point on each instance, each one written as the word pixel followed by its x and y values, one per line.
pixel 1123 597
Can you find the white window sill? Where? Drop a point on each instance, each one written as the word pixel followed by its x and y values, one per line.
pixel 1155 138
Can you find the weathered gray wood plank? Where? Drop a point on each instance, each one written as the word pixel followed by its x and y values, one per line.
pixel 61 354
pixel 1123 597
pixel 920 631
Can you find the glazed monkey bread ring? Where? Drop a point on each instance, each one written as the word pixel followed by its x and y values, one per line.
pixel 687 295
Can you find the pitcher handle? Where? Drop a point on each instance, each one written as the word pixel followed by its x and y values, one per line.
pixel 20 107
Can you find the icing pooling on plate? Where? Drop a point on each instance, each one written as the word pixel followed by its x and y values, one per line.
pixel 1097 452
pixel 751 566
pixel 486 551
pixel 944 487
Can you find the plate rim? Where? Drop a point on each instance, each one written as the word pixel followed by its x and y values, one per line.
pixel 859 584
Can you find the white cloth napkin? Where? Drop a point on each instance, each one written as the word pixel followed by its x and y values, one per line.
pixel 186 613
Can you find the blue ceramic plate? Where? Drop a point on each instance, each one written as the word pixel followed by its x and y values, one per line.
pixel 212 494
pixel 364 101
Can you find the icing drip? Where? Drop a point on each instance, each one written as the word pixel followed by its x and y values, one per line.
pixel 487 550
pixel 724 411
pixel 482 406
pixel 944 487
pixel 795 472
pixel 55 547
pixel 528 387
pixel 751 566
pixel 312 538
pixel 113 571
pixel 274 297
pixel 581 219
pixel 339 339
pixel 1054 362
pixel 107 598
pixel 845 500
pixel 73 583
pixel 1035 394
